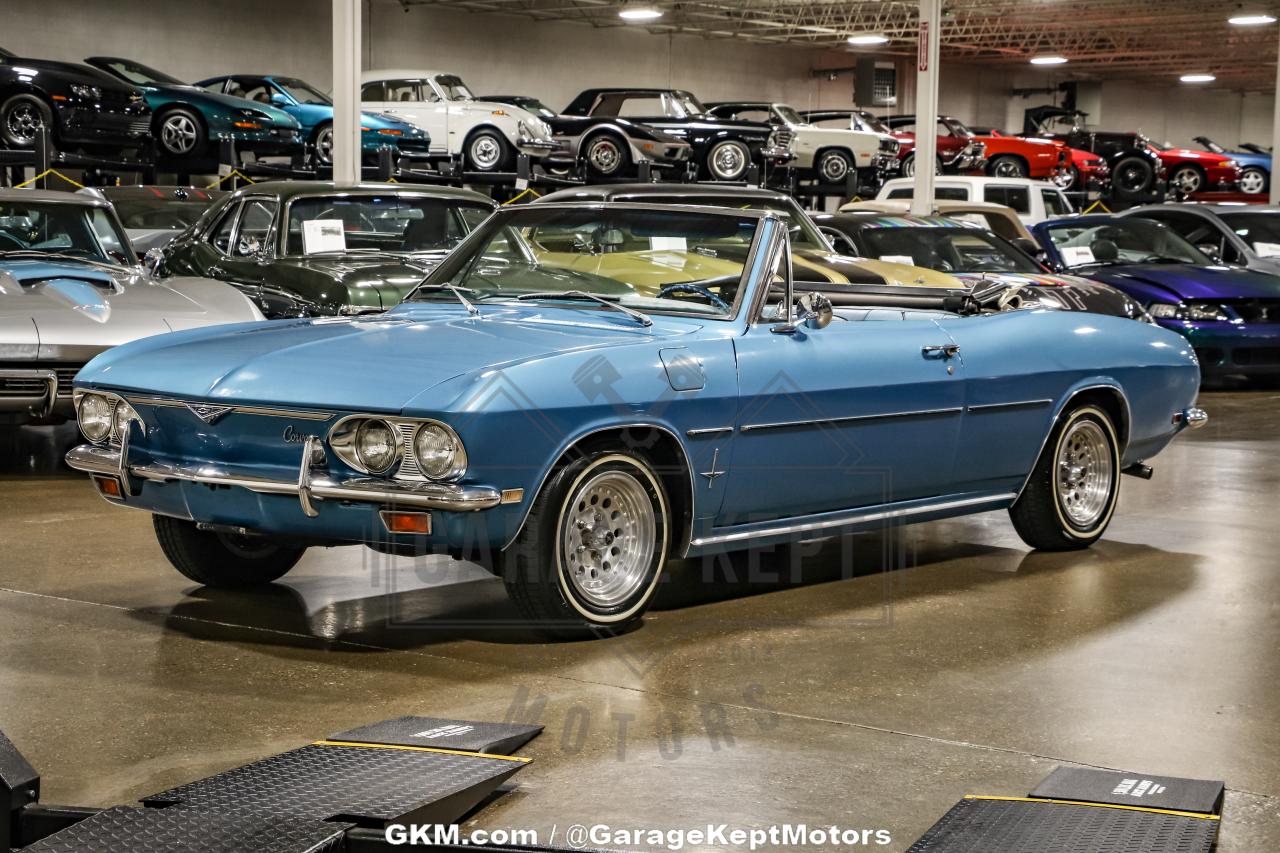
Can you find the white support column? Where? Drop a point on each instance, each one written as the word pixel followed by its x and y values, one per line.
pixel 1275 134
pixel 926 105
pixel 346 91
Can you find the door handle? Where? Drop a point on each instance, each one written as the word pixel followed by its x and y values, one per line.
pixel 943 350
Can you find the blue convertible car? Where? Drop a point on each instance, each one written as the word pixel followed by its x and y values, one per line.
pixel 581 392
pixel 1230 315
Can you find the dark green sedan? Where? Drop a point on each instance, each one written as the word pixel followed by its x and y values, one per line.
pixel 314 248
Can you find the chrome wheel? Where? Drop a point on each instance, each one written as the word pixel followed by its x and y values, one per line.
pixel 485 152
pixel 324 145
pixel 834 167
pixel 604 155
pixel 1068 179
pixel 1253 181
pixel 178 133
pixel 1008 167
pixel 1187 179
pixel 728 160
pixel 607 539
pixel 21 122
pixel 1084 473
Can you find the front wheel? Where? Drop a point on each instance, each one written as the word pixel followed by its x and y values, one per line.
pixel 20 116
pixel 909 166
pixel 1007 166
pixel 834 166
pixel 728 160
pixel 487 150
pixel 605 155
pixel 1072 493
pixel 180 133
pixel 323 145
pixel 1133 176
pixel 594 545
pixel 225 560
pixel 1188 179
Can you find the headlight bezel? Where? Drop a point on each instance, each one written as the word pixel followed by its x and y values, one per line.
pixel 342 440
pixel 457 462
pixel 86 91
pixel 116 404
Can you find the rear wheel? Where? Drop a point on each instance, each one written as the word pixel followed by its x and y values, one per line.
pixel 1253 180
pixel 590 554
pixel 224 559
pixel 20 115
pixel 1072 493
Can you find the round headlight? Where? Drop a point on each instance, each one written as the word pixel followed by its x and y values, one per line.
pixel 438 451
pixel 94 415
pixel 124 414
pixel 377 446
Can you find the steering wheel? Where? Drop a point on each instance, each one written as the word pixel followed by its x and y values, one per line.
pixel 697 290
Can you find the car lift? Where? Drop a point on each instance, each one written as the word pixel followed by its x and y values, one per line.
pixel 1085 811
pixel 336 795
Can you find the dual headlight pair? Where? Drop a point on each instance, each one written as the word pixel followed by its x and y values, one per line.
pixel 1201 311
pixel 104 417
pixel 376 445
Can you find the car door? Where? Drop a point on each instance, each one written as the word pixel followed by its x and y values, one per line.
pixel 864 412
pixel 235 242
pixel 415 101
pixel 1015 196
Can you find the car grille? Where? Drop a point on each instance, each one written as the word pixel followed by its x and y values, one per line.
pixel 34 386
pixel 889 146
pixel 1257 310
pixel 139 127
pixel 782 137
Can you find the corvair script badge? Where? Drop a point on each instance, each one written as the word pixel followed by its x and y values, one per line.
pixel 208 414
pixel 292 436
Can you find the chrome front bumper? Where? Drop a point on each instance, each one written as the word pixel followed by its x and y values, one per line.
pixel 1192 418
pixel 314 483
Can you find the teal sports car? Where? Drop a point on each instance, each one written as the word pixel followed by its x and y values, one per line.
pixel 314 111
pixel 188 122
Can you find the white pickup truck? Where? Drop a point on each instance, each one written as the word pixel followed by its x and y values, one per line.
pixel 828 154
pixel 1033 201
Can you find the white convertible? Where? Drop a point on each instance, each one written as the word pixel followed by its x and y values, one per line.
pixel 828 153
pixel 487 134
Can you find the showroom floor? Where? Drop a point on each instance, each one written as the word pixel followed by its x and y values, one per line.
pixel 872 702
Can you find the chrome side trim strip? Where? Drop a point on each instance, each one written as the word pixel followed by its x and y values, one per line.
pixel 1019 404
pixel 921 413
pixel 791 527
pixel 163 402
pixel 692 433
pixel 442 496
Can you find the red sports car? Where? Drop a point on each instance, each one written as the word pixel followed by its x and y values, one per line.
pixel 1025 157
pixel 1197 171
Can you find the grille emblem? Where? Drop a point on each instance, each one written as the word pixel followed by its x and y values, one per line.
pixel 208 414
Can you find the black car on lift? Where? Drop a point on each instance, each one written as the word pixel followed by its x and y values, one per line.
pixel 724 149
pixel 85 109
pixel 610 148
pixel 1137 173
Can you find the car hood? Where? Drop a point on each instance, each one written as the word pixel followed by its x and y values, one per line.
pixel 71 305
pixel 379 281
pixel 377 363
pixel 201 97
pixel 1187 281
pixel 74 72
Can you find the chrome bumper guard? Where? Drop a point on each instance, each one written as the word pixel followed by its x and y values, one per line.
pixel 313 483
pixel 1192 418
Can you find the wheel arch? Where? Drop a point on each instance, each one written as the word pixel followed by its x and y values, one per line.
pixel 1106 395
pixel 607 130
pixel 659 443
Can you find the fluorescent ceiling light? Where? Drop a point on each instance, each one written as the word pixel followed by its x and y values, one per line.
pixel 1048 60
pixel 1197 78
pixel 1251 19
pixel 639 13
pixel 868 38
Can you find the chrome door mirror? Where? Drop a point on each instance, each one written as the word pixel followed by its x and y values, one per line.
pixel 152 261
pixel 815 311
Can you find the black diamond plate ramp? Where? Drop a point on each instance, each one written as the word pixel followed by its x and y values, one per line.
pixel 463 735
pixel 365 784
pixel 130 830
pixel 1014 825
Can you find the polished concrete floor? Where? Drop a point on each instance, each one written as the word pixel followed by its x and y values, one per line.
pixel 897 674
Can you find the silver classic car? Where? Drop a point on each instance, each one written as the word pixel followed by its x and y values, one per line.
pixel 71 287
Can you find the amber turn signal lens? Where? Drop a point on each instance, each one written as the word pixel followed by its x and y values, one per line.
pixel 109 487
pixel 407 522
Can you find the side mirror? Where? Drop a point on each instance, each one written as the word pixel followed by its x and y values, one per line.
pixel 1212 252
pixel 815 311
pixel 152 261
pixel 279 100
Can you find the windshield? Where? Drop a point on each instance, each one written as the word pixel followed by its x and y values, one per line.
pixel 140 75
pixel 803 234
pixel 165 211
pixel 648 260
pixel 7 55
pixel 866 121
pixel 399 224
pixel 686 105
pixel 1122 241
pixel 303 92
pixel 454 89
pixel 788 114
pixel 943 249
pixel 1260 230
pixel 66 230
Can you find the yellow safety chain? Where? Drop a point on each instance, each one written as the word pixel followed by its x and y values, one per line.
pixel 234 173
pixel 46 173
pixel 529 191
pixel 1097 204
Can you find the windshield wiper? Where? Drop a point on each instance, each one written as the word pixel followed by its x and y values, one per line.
pixel 607 301
pixel 452 288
